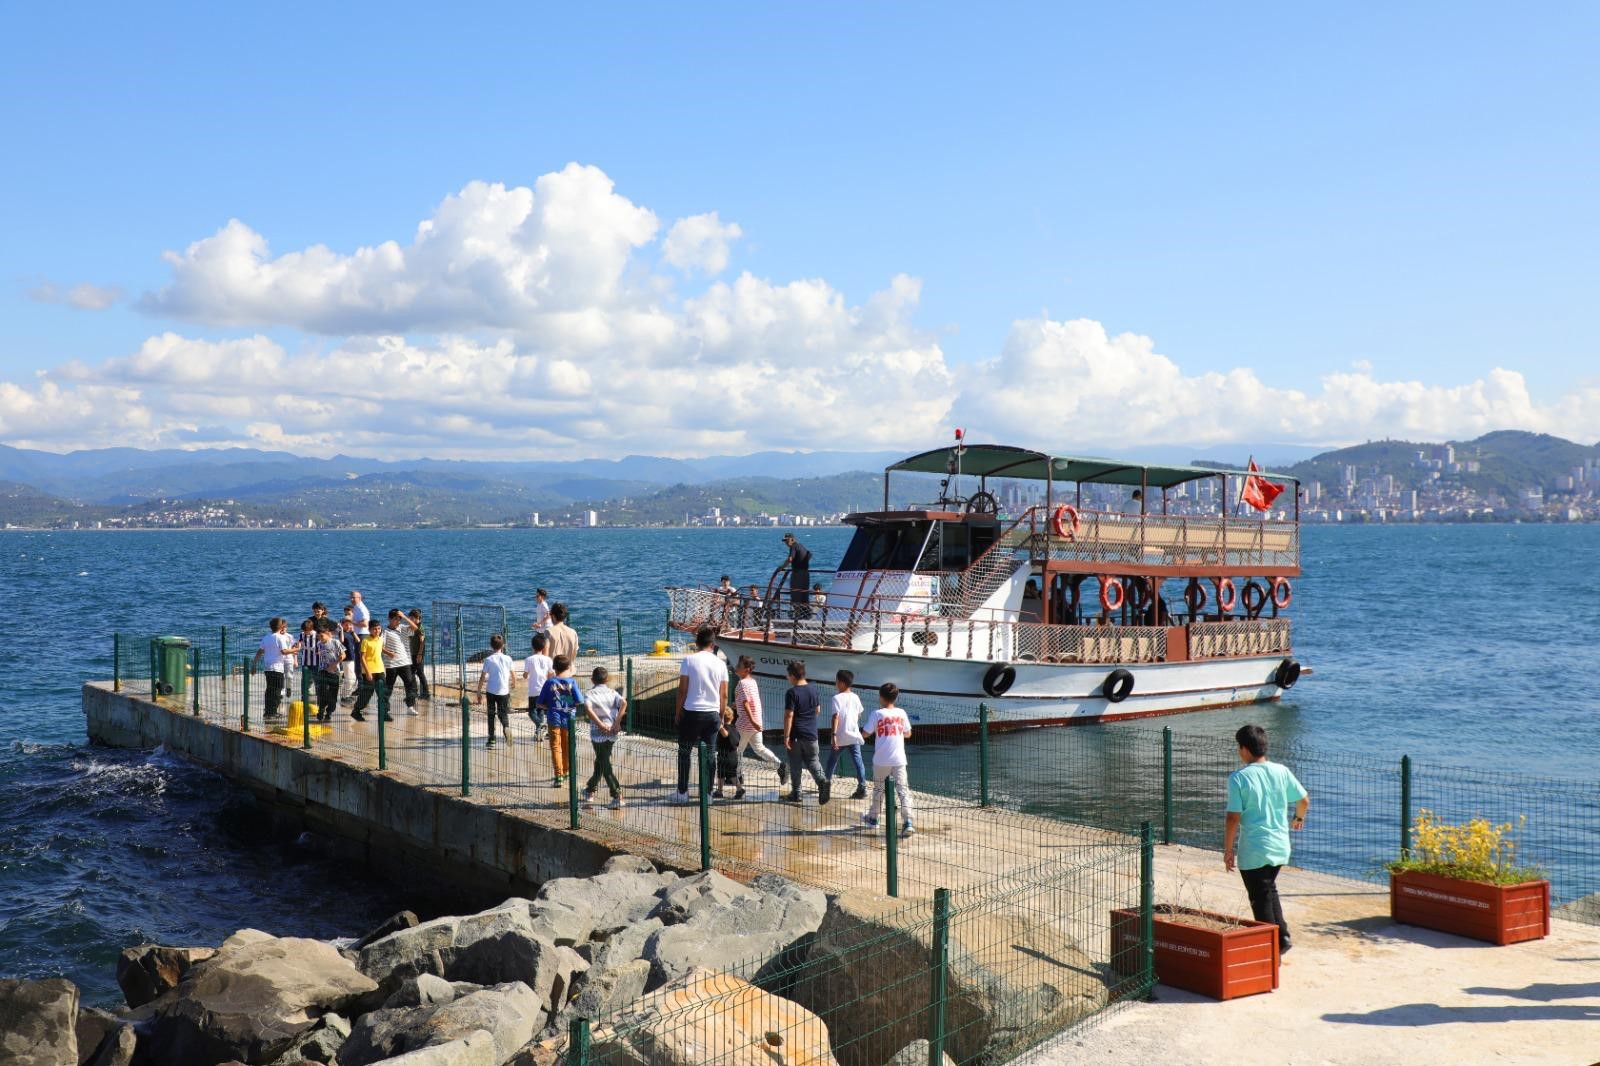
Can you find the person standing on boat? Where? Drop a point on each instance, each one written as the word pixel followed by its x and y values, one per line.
pixel 799 564
pixel 1256 833
pixel 702 694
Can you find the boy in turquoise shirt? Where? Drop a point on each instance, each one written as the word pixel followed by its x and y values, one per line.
pixel 1258 822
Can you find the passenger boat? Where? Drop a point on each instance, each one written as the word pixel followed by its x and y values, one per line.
pixel 1057 613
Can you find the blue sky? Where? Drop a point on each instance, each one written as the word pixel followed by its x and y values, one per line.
pixel 1407 196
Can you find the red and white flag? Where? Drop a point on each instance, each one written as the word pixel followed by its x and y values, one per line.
pixel 1258 491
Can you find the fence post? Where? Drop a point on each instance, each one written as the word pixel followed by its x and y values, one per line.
pixel 247 669
pixel 1166 784
pixel 619 644
pixel 116 662
pixel 572 770
pixel 705 805
pixel 383 717
pixel 983 755
pixel 629 693
pixel 222 672
pixel 891 842
pixel 1147 908
pixel 578 1042
pixel 194 680
pixel 155 689
pixel 941 963
pixel 1405 806
pixel 466 740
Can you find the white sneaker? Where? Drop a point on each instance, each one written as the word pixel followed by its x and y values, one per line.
pixel 413 712
pixel 617 804
pixel 680 797
pixel 588 799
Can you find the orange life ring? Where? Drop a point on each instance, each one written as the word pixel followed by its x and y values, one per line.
pixel 1111 594
pixel 1282 594
pixel 1059 524
pixel 1227 595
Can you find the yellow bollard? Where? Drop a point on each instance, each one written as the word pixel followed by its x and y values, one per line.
pixel 661 647
pixel 297 716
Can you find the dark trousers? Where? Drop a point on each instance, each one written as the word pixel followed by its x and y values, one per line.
pixel 803 755
pixel 500 707
pixel 327 694
pixel 602 769
pixel 1262 886
pixel 408 678
pixel 274 692
pixel 372 683
pixel 800 593
pixel 697 727
pixel 420 674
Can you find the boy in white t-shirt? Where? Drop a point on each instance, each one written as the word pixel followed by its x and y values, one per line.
pixel 496 677
pixel 539 669
pixel 606 709
pixel 847 711
pixel 889 727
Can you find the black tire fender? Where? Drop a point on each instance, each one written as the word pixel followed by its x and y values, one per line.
pixel 999 678
pixel 1118 685
pixel 1287 674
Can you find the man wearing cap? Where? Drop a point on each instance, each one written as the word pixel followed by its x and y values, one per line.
pixel 799 564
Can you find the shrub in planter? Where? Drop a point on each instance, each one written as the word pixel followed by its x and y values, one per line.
pixel 1201 951
pixel 1464 879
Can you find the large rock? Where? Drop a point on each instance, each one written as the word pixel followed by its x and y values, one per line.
pixel 92 1027
pixel 706 1016
pixel 320 1043
pixel 423 990
pixel 866 971
pixel 117 1048
pixel 148 971
pixel 606 991
pixel 510 1013
pixel 616 897
pixel 475 1049
pixel 916 1054
pixel 392 924
pixel 566 922
pixel 253 999
pixel 38 1022
pixel 710 917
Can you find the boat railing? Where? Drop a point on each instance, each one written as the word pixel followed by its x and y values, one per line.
pixel 1106 537
pixel 987 635
pixel 1224 640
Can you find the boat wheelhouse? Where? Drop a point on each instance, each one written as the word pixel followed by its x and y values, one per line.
pixel 1060 610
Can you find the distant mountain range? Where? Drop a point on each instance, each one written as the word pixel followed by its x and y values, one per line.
pixel 240 486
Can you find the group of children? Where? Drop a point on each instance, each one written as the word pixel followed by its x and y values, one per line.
pixel 553 706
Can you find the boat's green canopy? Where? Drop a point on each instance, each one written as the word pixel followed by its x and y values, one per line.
pixel 1001 460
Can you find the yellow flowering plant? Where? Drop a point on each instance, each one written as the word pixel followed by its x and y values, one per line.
pixel 1476 850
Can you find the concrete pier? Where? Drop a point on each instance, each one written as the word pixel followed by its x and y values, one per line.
pixel 1358 988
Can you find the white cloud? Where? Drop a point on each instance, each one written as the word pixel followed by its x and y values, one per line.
pixel 536 321
pixel 488 257
pixel 1070 384
pixel 83 296
pixel 700 242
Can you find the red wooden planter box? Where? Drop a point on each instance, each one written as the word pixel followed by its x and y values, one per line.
pixel 1500 914
pixel 1220 963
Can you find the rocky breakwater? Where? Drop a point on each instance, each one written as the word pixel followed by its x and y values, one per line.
pixel 672 971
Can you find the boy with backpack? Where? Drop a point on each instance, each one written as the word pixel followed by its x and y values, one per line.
pixel 559 700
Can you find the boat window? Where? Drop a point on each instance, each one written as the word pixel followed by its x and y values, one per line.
pixel 891 546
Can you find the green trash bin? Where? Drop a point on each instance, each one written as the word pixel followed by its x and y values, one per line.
pixel 172 666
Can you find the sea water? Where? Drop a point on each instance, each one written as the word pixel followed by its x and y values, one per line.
pixel 1466 645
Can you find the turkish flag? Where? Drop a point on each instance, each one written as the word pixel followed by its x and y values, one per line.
pixel 1258 491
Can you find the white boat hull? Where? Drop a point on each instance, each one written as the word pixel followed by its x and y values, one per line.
pixel 943 693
